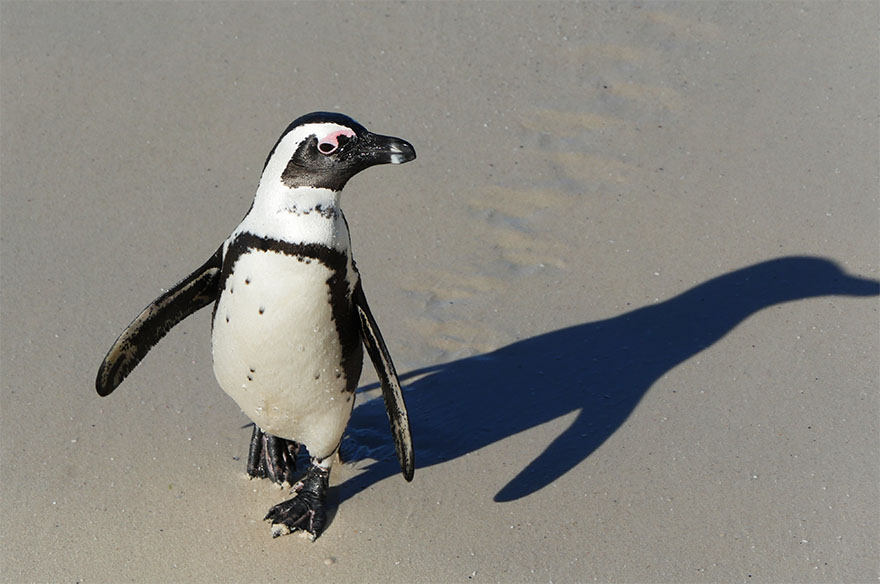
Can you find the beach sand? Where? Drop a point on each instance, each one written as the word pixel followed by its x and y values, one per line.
pixel 630 282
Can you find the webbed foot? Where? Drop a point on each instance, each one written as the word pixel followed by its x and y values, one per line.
pixel 305 511
pixel 271 457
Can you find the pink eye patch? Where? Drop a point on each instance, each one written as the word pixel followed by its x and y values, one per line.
pixel 329 143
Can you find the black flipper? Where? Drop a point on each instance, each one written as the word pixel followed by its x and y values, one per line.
pixel 391 391
pixel 196 291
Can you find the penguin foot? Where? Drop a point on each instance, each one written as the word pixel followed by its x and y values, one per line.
pixel 271 457
pixel 305 511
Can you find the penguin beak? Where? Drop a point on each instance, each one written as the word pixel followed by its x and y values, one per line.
pixel 378 149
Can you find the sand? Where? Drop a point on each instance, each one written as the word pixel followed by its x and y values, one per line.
pixel 631 282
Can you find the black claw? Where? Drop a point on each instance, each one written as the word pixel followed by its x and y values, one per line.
pixel 305 511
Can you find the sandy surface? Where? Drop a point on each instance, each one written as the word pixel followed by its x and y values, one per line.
pixel 631 280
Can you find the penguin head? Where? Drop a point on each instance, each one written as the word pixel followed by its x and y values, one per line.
pixel 324 150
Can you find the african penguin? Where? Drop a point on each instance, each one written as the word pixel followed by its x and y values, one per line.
pixel 290 316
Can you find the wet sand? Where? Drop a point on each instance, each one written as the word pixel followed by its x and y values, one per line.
pixel 630 282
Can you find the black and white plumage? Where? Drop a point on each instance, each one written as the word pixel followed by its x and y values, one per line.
pixel 290 316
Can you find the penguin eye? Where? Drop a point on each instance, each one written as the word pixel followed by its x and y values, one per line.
pixel 333 142
pixel 327 147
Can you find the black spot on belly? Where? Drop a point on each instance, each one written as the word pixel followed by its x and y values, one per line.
pixel 227 318
pixel 262 310
pixel 247 281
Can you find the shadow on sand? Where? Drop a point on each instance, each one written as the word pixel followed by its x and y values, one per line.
pixel 599 369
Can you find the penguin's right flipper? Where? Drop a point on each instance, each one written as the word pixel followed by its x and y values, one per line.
pixel 196 291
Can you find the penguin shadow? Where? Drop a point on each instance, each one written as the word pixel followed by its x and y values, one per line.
pixel 598 369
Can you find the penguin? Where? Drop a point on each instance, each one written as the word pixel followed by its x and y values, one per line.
pixel 290 318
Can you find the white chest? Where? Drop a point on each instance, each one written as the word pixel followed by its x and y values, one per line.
pixel 277 348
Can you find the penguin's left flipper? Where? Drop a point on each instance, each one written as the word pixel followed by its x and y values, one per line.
pixel 196 291
pixel 391 391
